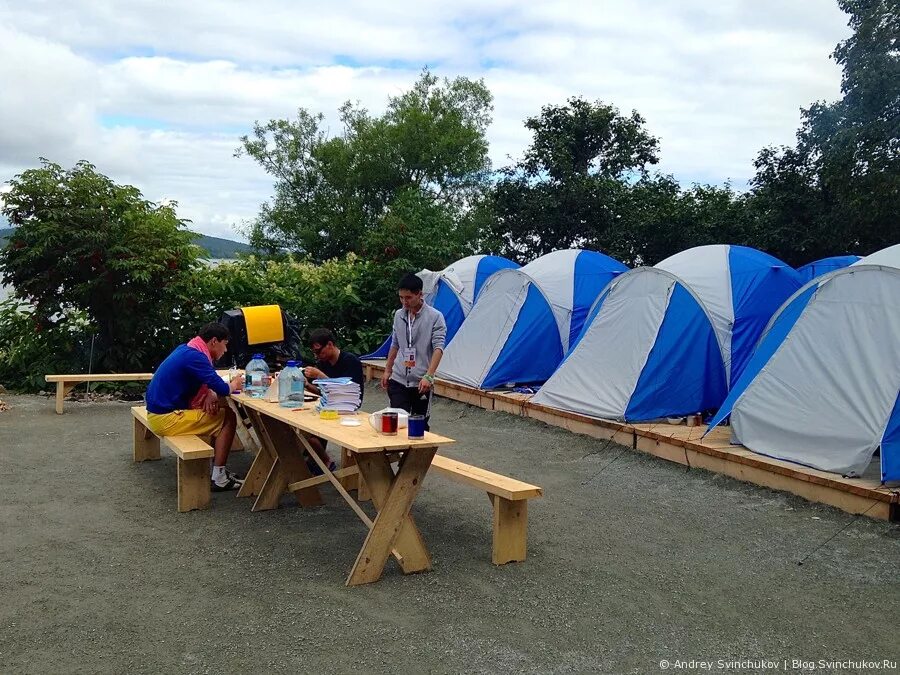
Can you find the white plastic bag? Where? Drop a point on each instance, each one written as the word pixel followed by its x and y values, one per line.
pixel 271 394
pixel 402 418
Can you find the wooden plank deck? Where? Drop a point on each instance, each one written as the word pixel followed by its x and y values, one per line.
pixel 684 445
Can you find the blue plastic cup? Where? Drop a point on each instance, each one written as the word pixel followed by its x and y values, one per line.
pixel 415 426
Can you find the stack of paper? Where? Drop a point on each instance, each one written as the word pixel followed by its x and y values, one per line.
pixel 338 393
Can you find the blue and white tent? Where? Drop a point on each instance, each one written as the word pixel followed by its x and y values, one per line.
pixel 667 340
pixel 823 387
pixel 817 268
pixel 521 326
pixel 453 291
pixel 572 279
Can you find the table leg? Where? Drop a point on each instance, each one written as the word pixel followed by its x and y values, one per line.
pixel 348 460
pixel 288 466
pixel 244 433
pixel 393 528
pixel 259 470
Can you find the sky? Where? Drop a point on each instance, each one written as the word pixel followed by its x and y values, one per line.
pixel 157 93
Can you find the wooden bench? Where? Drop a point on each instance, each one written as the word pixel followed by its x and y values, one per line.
pixel 193 460
pixel 508 496
pixel 65 383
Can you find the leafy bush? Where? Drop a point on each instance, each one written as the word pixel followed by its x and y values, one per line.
pixel 351 296
pixel 31 348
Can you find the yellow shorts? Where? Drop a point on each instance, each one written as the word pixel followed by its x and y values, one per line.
pixel 186 422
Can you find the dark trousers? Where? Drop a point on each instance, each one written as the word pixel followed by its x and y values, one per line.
pixel 410 400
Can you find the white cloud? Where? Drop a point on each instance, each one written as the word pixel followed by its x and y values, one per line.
pixel 157 94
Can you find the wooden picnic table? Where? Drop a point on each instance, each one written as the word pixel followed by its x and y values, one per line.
pixel 283 435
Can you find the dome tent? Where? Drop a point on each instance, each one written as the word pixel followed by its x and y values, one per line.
pixel 822 387
pixel 667 340
pixel 453 290
pixel 524 319
pixel 472 271
pixel 572 279
pixel 819 267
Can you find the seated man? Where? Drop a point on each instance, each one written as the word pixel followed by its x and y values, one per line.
pixel 183 398
pixel 330 362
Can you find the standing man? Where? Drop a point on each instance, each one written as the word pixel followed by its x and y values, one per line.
pixel 418 338
pixel 185 394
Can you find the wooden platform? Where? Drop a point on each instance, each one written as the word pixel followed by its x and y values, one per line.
pixel 684 445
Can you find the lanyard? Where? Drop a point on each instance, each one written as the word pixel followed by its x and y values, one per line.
pixel 409 325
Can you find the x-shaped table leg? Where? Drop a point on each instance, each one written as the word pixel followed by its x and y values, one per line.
pixel 393 528
pixel 262 463
pixel 285 465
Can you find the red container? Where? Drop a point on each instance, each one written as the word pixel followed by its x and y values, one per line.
pixel 389 423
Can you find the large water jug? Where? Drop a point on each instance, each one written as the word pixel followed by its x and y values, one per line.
pixel 256 376
pixel 291 384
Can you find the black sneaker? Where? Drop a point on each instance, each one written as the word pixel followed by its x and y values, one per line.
pixel 231 483
pixel 313 466
pixel 233 476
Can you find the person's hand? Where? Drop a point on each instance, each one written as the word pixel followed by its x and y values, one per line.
pixel 385 377
pixel 211 403
pixel 237 383
pixel 424 386
pixel 313 373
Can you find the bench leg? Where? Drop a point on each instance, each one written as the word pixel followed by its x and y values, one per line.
pixel 62 390
pixel 510 530
pixel 193 484
pixel 146 444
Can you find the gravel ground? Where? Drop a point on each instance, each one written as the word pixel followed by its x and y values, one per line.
pixel 631 561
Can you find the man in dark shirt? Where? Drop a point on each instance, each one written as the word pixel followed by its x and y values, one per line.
pixel 330 362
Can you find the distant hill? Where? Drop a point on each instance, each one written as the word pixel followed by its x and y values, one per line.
pixel 222 248
pixel 215 247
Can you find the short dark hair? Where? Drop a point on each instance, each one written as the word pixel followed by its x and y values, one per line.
pixel 410 282
pixel 214 330
pixel 321 336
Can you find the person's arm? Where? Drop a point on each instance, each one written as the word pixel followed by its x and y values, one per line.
pixel 202 370
pixel 357 374
pixel 427 381
pixel 389 366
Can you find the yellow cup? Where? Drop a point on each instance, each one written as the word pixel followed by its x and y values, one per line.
pixel 326 414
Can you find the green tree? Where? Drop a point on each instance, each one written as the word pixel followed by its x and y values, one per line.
pixel 658 218
pixel 330 193
pixel 583 138
pixel 574 177
pixel 86 247
pixel 838 190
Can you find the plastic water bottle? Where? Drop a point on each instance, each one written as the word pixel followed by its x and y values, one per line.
pixel 291 384
pixel 256 376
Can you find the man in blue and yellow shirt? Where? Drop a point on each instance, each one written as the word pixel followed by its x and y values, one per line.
pixel 184 398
